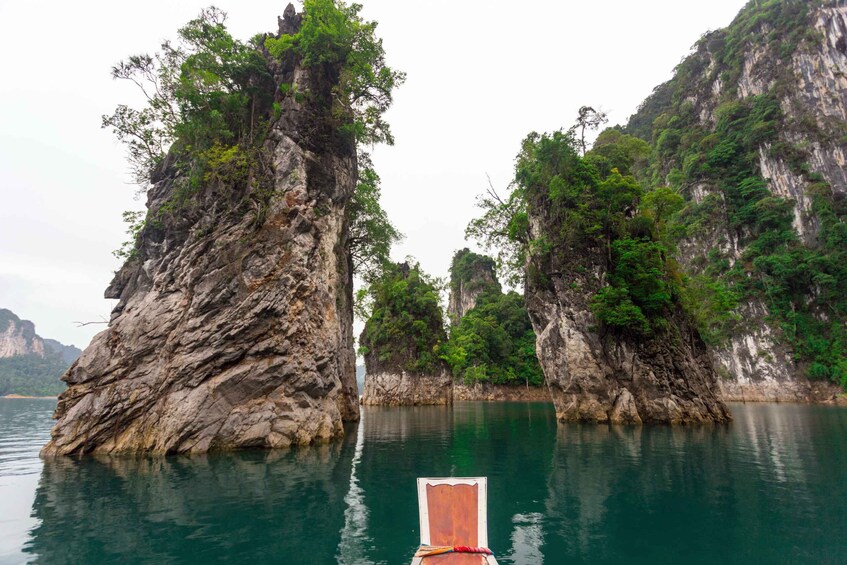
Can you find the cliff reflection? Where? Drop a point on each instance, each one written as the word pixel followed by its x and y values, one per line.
pixel 765 489
pixel 617 492
pixel 252 507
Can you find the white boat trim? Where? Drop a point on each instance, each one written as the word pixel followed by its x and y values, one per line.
pixel 481 505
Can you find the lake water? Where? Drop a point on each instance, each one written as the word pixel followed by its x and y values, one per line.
pixel 770 488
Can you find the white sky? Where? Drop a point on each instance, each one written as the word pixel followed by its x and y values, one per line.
pixel 481 75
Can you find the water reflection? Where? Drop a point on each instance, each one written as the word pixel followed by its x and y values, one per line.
pixel 508 443
pixel 351 548
pixel 768 488
pixel 247 506
pixel 527 539
pixel 700 495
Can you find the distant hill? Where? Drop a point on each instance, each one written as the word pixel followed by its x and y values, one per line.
pixel 69 353
pixel 29 364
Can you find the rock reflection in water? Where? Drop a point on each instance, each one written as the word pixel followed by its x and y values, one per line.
pixel 250 507
pixel 696 495
pixel 655 487
pixel 766 489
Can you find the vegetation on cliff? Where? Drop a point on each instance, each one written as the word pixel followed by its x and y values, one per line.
pixel 211 100
pixel 494 342
pixel 30 365
pixel 371 232
pixel 802 282
pixel 471 272
pixel 33 375
pixel 681 168
pixel 594 210
pixel 405 325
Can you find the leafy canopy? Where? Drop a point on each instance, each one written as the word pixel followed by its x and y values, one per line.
pixel 494 342
pixel 371 233
pixel 333 33
pixel 590 207
pixel 202 90
pixel 405 325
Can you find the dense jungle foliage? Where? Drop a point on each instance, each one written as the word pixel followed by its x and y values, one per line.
pixel 31 375
pixel 494 341
pixel 802 284
pixel 594 207
pixel 472 272
pixel 404 330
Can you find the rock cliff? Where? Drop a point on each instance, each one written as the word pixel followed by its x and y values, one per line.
pixel 794 54
pixel 595 375
pixel 401 388
pixel 400 340
pixel 29 364
pixel 18 337
pixel 470 275
pixel 234 322
pixel 612 338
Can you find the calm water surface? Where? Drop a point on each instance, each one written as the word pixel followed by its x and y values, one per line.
pixel 770 488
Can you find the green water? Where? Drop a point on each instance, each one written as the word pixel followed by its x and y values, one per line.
pixel 770 488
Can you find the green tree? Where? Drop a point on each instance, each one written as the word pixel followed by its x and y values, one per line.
pixel 586 212
pixel 371 233
pixel 494 342
pixel 405 324
pixel 588 118
pixel 207 88
pixel 334 33
pixel 503 229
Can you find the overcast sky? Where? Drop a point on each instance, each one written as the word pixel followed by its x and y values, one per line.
pixel 481 75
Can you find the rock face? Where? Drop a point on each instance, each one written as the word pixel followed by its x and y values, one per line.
pixel 487 392
pixel 400 340
pixel 810 84
pixel 18 337
pixel 234 325
pixel 470 275
pixel 404 389
pixel 596 377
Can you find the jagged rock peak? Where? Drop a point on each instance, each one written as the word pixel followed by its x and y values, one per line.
pixel 471 275
pixel 289 23
pixel 234 322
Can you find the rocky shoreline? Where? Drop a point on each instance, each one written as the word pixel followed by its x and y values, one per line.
pixel 404 389
pixel 485 392
pixel 802 393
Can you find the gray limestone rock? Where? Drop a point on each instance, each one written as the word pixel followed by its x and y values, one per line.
pixel 754 363
pixel 404 389
pixel 234 325
pixel 598 375
pixel 471 275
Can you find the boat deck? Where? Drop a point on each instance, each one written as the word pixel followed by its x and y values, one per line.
pixel 453 512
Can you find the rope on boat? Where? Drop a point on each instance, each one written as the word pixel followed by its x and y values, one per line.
pixel 430 550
